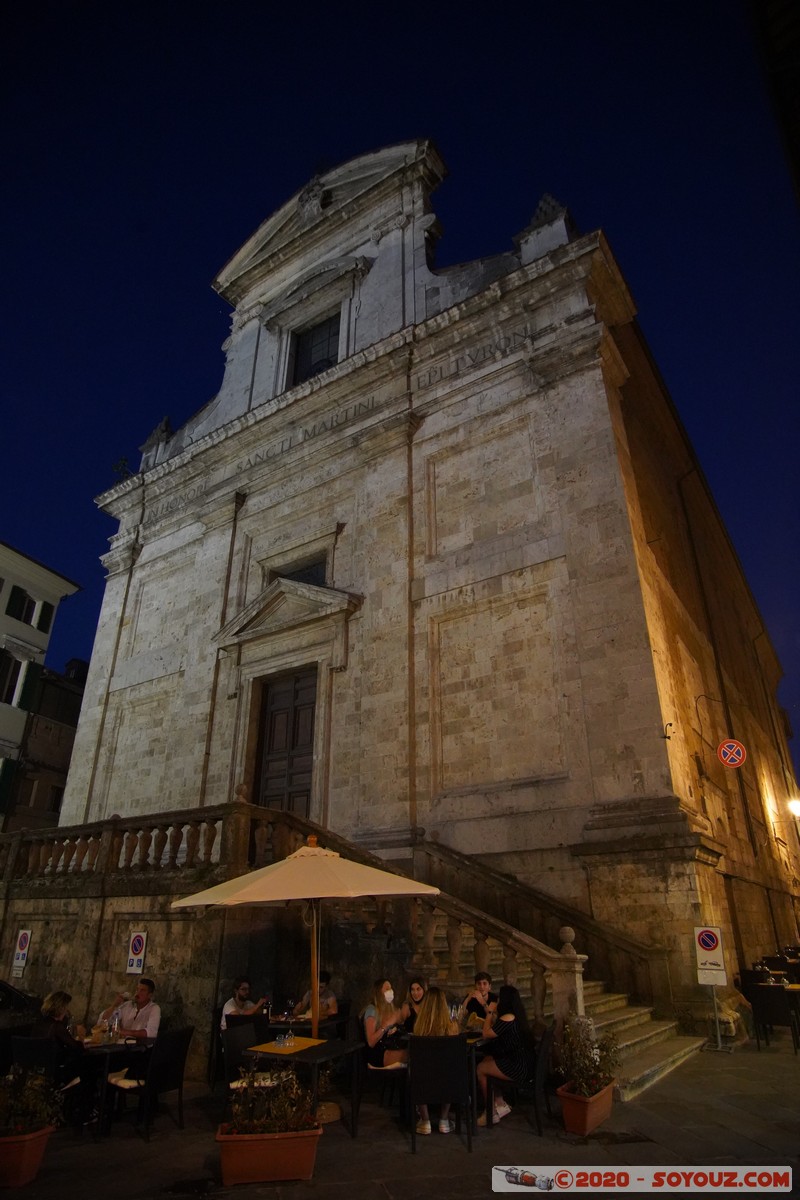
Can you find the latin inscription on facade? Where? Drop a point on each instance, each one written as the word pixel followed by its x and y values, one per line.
pixel 270 453
pixel 305 433
pixel 498 347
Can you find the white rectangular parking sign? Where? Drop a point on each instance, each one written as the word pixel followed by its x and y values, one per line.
pixel 710 959
pixel 21 953
pixel 136 949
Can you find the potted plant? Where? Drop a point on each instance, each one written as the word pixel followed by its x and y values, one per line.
pixel 587 1064
pixel 30 1109
pixel 273 1132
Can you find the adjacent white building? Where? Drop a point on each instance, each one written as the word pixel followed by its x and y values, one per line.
pixel 29 597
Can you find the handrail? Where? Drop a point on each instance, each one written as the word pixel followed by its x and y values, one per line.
pixel 625 963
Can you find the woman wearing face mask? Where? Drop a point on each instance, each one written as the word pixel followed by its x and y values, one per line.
pixel 382 1019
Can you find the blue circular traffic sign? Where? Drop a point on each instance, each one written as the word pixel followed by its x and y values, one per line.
pixel 731 753
pixel 707 939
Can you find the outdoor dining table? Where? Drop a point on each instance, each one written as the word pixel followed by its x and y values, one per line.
pixel 314 1053
pixel 108 1055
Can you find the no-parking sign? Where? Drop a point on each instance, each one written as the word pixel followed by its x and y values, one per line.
pixel 21 953
pixel 136 949
pixel 710 959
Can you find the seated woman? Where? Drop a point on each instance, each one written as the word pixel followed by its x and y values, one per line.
pixel 434 1020
pixel 382 1019
pixel 416 992
pixel 71 1059
pixel 511 1055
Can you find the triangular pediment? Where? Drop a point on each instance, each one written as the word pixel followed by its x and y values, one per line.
pixel 316 202
pixel 284 605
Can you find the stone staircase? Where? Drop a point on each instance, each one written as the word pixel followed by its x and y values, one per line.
pixel 649 1048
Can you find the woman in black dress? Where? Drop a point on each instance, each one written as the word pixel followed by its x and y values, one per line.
pixel 416 994
pixel 511 1055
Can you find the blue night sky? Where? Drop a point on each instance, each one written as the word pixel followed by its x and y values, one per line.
pixel 144 142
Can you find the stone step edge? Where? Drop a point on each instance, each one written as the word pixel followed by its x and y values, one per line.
pixel 652 1033
pixel 642 1071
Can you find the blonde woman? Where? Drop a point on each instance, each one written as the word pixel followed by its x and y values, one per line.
pixel 433 1020
pixel 382 1019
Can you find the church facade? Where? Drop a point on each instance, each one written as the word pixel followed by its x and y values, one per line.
pixel 439 557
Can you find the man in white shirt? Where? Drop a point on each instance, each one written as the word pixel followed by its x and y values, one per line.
pixel 139 1017
pixel 240 1003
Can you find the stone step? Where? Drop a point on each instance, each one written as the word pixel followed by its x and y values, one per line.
pixel 601 1002
pixel 645 1068
pixel 635 1038
pixel 629 1016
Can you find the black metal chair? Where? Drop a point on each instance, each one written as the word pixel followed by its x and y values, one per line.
pixel 36 1053
pixel 164 1073
pixel 389 1078
pixel 535 1087
pixel 438 1073
pixel 775 1006
pixel 42 1054
pixel 235 1040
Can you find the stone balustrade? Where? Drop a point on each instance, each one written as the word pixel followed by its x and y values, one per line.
pixel 131 845
pixel 179 851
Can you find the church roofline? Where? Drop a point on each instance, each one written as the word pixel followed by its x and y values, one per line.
pixel 363 174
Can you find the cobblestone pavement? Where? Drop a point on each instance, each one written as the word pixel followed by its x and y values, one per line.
pixel 717 1109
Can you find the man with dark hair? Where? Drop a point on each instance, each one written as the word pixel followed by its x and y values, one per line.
pixel 139 1017
pixel 240 1003
pixel 328 1005
pixel 477 1000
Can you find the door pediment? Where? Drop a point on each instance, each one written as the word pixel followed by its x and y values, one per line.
pixel 286 605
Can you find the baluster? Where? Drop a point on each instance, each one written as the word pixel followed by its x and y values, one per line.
pixel 80 853
pixel 131 842
pixel 454 942
pixel 145 840
pixel 175 843
pixel 69 850
pixel 33 859
pixel 192 842
pixel 281 841
pixel 44 856
pixel 58 851
pixel 510 965
pixel 538 989
pixel 209 838
pixel 261 839
pixel 117 840
pixel 159 842
pixel 94 850
pixel 481 952
pixel 428 937
pixel 368 916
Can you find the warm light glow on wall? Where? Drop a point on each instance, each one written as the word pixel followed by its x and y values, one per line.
pixel 794 808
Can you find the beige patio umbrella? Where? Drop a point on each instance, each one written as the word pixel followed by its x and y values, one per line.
pixel 312 874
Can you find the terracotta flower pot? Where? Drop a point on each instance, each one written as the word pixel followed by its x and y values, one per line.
pixel 21 1156
pixel 582 1114
pixel 267 1157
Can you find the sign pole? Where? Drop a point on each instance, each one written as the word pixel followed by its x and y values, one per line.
pixel 716 1016
pixel 711 971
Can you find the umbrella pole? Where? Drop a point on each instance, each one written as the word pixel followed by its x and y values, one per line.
pixel 314 969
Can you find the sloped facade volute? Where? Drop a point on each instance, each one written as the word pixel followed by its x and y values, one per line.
pixel 288 626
